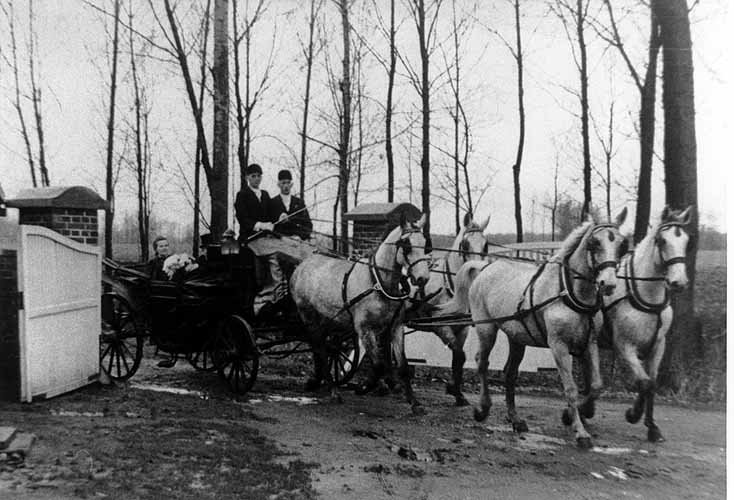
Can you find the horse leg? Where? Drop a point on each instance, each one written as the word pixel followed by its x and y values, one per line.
pixel 653 432
pixel 446 334
pixel 592 377
pixel 487 334
pixel 458 359
pixel 564 362
pixel 398 352
pixel 517 352
pixel 642 382
pixel 370 341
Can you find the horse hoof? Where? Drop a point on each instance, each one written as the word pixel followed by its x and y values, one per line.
pixel 461 400
pixel 632 416
pixel 587 411
pixel 362 390
pixel 480 415
pixel 418 409
pixel 519 426
pixel 584 443
pixel 566 417
pixel 654 435
pixel 313 384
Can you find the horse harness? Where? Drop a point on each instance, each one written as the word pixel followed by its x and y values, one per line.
pixel 464 251
pixel 633 294
pixel 566 294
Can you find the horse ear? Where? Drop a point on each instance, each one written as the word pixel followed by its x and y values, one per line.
pixel 421 222
pixel 666 213
pixel 621 217
pixel 484 224
pixel 467 219
pixel 685 217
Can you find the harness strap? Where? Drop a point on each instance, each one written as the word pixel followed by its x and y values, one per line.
pixel 520 313
pixel 349 303
pixel 448 281
pixel 569 297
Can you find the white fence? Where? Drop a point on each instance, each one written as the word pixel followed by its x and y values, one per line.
pixel 60 317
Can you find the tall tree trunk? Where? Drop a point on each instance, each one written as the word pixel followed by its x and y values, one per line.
pixel 426 118
pixel 23 128
pixel 219 181
pixel 307 97
pixel 237 39
pixel 389 109
pixel 457 102
pixel 584 75
pixel 521 114
pixel 138 134
pixel 647 133
pixel 197 158
pixel 346 124
pixel 681 182
pixel 36 97
pixel 109 188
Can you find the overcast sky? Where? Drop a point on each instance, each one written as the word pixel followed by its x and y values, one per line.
pixel 73 75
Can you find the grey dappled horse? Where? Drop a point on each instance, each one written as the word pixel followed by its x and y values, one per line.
pixel 469 245
pixel 552 305
pixel 365 296
pixel 637 316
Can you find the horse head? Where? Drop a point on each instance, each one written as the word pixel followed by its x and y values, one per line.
pixel 410 254
pixel 471 240
pixel 671 240
pixel 605 245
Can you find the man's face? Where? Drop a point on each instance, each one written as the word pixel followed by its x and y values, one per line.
pixel 254 180
pixel 285 186
pixel 162 249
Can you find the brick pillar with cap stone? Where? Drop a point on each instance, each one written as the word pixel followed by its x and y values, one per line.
pixel 71 211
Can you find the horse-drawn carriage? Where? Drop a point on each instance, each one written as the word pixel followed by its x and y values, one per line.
pixel 207 318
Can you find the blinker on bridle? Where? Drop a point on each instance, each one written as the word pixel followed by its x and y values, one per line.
pixel 673 260
pixel 464 245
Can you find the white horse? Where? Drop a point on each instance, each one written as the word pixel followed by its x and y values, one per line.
pixel 469 245
pixel 637 316
pixel 552 305
pixel 337 294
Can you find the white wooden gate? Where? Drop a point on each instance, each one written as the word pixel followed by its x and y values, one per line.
pixel 60 317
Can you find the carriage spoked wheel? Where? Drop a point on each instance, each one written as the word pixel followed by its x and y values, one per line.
pixel 235 354
pixel 343 357
pixel 121 338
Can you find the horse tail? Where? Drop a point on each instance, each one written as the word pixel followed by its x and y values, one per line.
pixel 466 275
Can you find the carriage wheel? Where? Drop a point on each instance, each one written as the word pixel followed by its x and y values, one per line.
pixel 235 354
pixel 121 339
pixel 343 357
pixel 204 360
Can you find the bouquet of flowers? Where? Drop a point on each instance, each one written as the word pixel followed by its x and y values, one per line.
pixel 179 263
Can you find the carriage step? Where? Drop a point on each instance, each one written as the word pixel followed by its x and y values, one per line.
pixel 6 435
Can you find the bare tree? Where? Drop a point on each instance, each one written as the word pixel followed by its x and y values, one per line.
pixel 389 108
pixel 646 87
pixel 517 55
pixel 206 22
pixel 219 177
pixel 607 146
pixel 308 52
pixel 109 186
pixel 345 125
pixel 10 15
pixel 681 180
pixel 36 98
pixel 577 15
pixel 425 23
pixel 252 95
pixel 142 146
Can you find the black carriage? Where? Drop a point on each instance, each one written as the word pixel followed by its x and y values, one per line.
pixel 207 318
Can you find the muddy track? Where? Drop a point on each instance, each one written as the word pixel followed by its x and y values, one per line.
pixel 131 441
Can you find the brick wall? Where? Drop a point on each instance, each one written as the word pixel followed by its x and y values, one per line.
pixel 9 337
pixel 367 236
pixel 78 224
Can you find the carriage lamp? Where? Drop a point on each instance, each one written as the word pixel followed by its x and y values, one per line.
pixel 229 244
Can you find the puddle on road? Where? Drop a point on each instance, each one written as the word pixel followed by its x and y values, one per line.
pixel 300 401
pixel 67 413
pixel 170 390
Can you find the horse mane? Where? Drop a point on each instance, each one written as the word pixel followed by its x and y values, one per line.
pixel 572 241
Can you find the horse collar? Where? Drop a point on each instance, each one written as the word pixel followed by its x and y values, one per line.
pixel 380 286
pixel 634 294
pixel 569 297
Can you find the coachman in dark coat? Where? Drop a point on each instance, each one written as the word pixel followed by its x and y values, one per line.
pixel 293 211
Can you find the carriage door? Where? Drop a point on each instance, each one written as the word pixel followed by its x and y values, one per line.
pixel 59 280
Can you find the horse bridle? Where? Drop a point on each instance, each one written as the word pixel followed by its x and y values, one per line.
pixel 406 246
pixel 681 259
pixel 464 244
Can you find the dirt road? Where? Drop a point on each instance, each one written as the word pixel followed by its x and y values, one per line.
pixel 132 441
